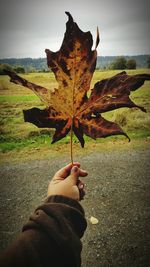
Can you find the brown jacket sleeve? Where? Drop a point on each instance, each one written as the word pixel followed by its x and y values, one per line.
pixel 50 238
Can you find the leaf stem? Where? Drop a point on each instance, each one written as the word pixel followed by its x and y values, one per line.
pixel 71 143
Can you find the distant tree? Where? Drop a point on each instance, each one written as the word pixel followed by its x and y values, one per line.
pixel 30 69
pixel 148 63
pixel 131 64
pixel 19 69
pixel 4 67
pixel 118 64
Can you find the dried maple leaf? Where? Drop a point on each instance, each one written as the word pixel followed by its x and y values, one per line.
pixel 69 107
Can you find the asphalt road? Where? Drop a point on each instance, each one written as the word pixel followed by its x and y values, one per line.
pixel 117 194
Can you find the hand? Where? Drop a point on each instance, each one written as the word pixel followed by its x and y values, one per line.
pixel 66 182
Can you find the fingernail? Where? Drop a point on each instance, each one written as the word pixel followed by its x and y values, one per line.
pixel 74 169
pixel 81 186
pixel 82 194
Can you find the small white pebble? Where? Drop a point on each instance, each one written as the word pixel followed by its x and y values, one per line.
pixel 93 220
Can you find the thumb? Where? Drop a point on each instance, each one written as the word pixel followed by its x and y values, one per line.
pixel 74 175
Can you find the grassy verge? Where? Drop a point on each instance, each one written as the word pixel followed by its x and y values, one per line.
pixel 33 151
pixel 44 140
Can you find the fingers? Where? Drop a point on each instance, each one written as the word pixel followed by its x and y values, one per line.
pixel 65 171
pixel 75 173
pixel 81 194
pixel 82 173
pixel 68 176
pixel 80 186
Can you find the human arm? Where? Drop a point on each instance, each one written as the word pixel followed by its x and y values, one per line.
pixel 52 235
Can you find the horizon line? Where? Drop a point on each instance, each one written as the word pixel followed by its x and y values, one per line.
pixel 97 56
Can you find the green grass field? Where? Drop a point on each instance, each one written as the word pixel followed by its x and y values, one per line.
pixel 15 134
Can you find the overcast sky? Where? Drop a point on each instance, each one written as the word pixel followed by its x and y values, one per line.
pixel 27 27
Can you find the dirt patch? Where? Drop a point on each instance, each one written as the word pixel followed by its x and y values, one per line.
pixel 118 195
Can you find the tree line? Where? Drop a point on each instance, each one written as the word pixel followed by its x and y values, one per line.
pixel 121 63
pixel 118 63
pixel 19 69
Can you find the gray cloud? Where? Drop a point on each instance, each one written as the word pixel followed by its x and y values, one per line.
pixel 28 27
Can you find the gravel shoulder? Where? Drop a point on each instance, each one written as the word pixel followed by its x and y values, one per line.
pixel 117 194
